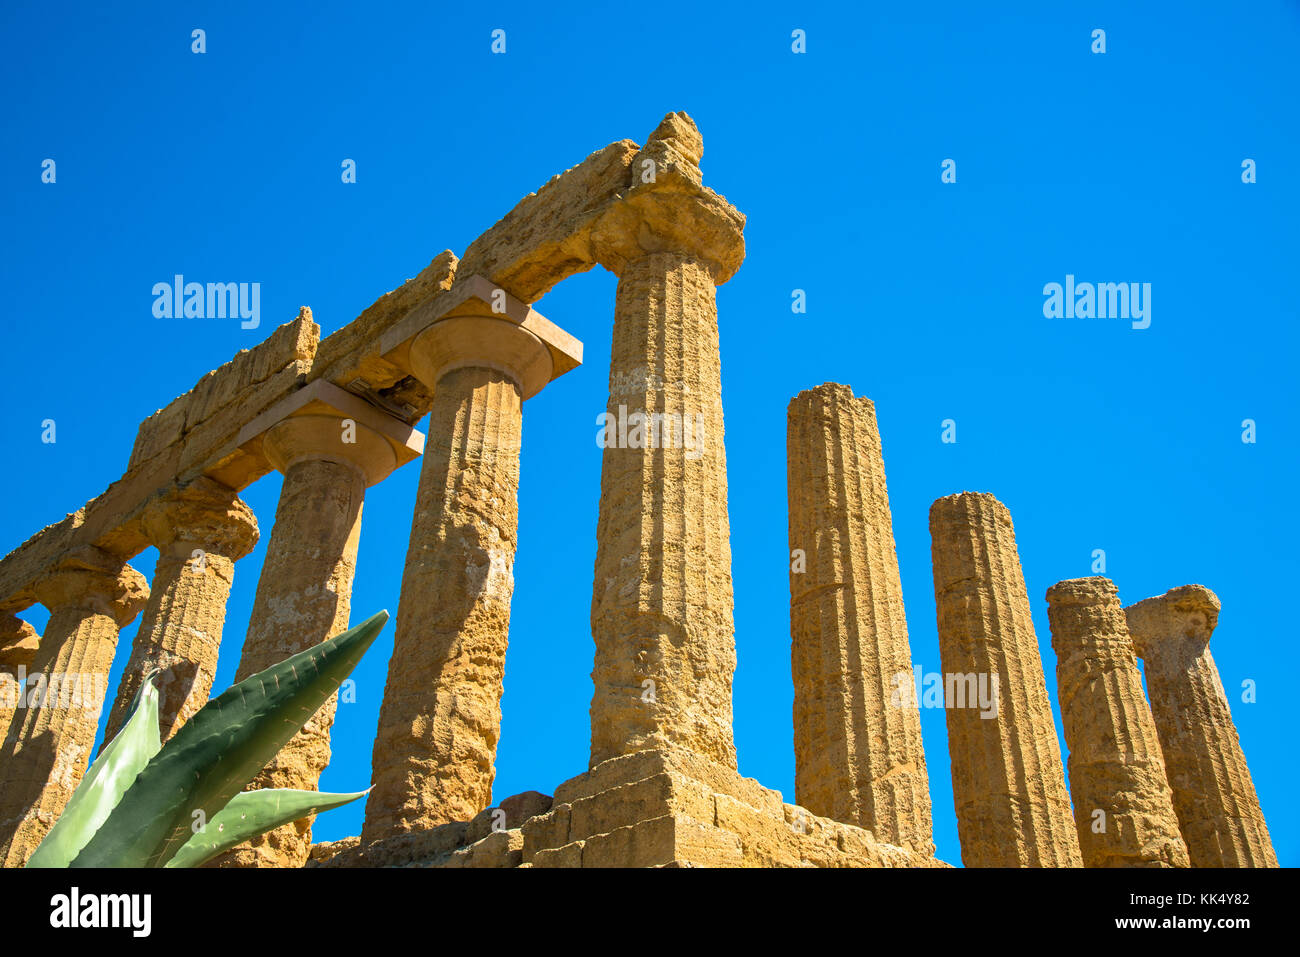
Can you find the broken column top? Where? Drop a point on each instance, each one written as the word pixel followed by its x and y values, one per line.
pixel 837 389
pixel 1188 611
pixel 945 508
pixel 1081 591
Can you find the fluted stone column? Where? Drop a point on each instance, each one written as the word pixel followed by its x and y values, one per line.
pixel 440 721
pixel 1214 797
pixel 91 596
pixel 857 730
pixel 1123 807
pixel 304 594
pixel 1007 779
pixel 200 531
pixel 661 612
pixel 18 644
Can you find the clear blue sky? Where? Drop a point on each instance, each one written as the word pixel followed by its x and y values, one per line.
pixel 925 297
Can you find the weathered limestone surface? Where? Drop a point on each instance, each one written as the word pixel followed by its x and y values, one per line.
pixel 200 531
pixel 1214 797
pixel 656 808
pixel 90 596
pixel 441 714
pixel 547 236
pixel 858 752
pixel 661 610
pixel 492 838
pixel 1116 766
pixel 1007 778
pixel 18 644
pixel 305 592
pixel 665 807
pixel 193 435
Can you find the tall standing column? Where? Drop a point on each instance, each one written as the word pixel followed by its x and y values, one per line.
pixel 200 531
pixel 1214 796
pixel 661 612
pixel 18 644
pixel 1123 807
pixel 858 752
pixel 90 596
pixel 435 750
pixel 304 594
pixel 1007 779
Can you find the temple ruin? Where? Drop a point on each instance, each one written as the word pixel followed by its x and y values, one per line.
pixel 462 345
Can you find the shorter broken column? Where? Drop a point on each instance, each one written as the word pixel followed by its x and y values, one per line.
pixel 1123 808
pixel 1213 793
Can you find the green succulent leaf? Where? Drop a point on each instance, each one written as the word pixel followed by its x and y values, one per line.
pixel 251 813
pixel 102 786
pixel 218 751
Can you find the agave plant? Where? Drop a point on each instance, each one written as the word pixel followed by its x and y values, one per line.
pixel 147 804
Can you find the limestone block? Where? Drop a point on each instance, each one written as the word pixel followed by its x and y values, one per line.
pixel 509 814
pixel 546 237
pixel 568 855
pixel 498 849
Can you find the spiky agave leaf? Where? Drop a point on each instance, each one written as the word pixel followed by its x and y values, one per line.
pixel 102 787
pixel 218 751
pixel 251 813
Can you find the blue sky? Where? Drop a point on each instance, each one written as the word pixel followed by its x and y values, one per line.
pixel 924 296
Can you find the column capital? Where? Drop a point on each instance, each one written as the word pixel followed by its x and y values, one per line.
pixel 477 323
pixel 92 578
pixel 205 513
pixel 1185 616
pixel 322 421
pixel 667 209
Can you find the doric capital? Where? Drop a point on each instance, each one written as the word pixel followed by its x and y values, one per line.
pixel 96 580
pixel 477 323
pixel 204 513
pixel 330 437
pixel 1185 616
pixel 667 209
pixel 322 421
pixel 484 341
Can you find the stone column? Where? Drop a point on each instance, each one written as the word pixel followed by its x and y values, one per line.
pixel 1007 780
pixel 90 596
pixel 305 591
pixel 661 611
pixel 1214 796
pixel 435 749
pixel 857 730
pixel 18 644
pixel 1123 807
pixel 200 531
